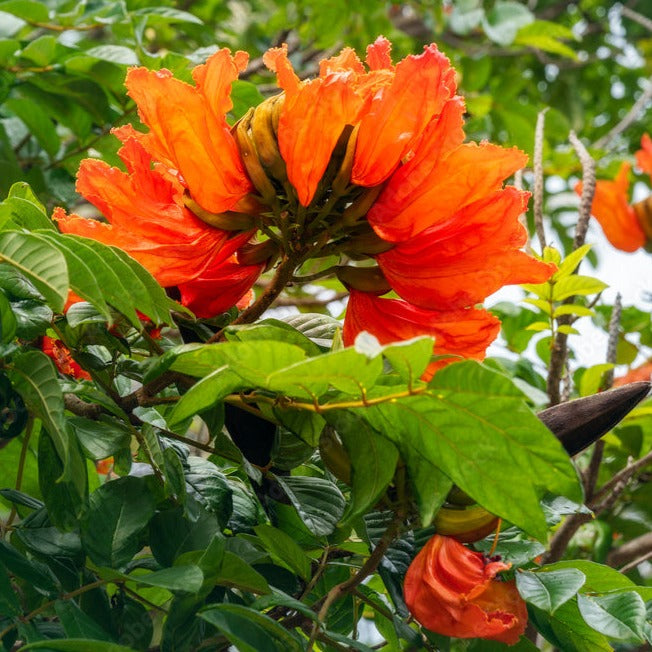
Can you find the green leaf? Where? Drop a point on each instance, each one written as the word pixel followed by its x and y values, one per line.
pixel 544 35
pixel 252 361
pixel 29 10
pixel 42 264
pixel 64 498
pixel 82 277
pixel 167 15
pixel 320 503
pixel 118 513
pixel 249 630
pixel 272 329
pixel 42 50
pixel 182 578
pixel 35 379
pixel 210 488
pixel 548 590
pixel 538 326
pixel 503 21
pixel 541 304
pixel 572 309
pixel 319 328
pixel 37 121
pixel 410 358
pixel 100 439
pixel 77 624
pixel 472 423
pixel 7 321
pixel 346 370
pixel 571 286
pixel 373 461
pixel 284 549
pixel 619 617
pixel 20 212
pixel 567 630
pixel 592 378
pixel 567 330
pixel 34 572
pixel 207 392
pixel 115 54
pixel 236 573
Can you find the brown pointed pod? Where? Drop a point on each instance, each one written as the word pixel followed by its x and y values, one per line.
pixel 577 424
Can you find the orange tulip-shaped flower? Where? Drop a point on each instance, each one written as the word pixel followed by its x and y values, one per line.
pixel 147 218
pixel 627 226
pixel 453 591
pixel 188 128
pixel 390 105
pixel 612 210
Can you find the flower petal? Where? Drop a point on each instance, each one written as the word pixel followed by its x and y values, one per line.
pixel 145 215
pixel 462 261
pixel 188 128
pixel 644 155
pixel 451 590
pixel 399 113
pixel 612 210
pixel 458 333
pixel 322 106
pixel 441 179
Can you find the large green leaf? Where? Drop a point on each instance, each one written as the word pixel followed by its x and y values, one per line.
pixel 209 487
pixel 347 370
pixel 207 392
pixel 475 426
pixel 320 503
pixel 373 460
pixel 252 361
pixel 549 590
pixel 35 379
pixel 118 513
pixel 7 321
pixel 76 623
pixel 284 549
pixel 83 280
pixel 183 578
pixel 42 263
pixel 619 616
pixel 237 573
pixel 249 630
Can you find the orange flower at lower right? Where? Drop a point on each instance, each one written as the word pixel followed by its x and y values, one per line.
pixel 453 591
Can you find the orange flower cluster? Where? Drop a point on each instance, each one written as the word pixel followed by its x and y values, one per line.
pixel 453 591
pixel 627 226
pixel 366 161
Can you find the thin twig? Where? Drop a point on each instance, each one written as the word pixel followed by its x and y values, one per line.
pixel 624 475
pixel 632 116
pixel 538 178
pixel 631 550
pixel 612 342
pixel 633 564
pixel 636 17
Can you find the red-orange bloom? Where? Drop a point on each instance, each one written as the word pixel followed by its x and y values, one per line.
pixel 63 361
pixel 626 226
pixel 612 210
pixel 643 372
pixel 188 128
pixel 390 105
pixel 458 333
pixel 148 219
pixel 460 261
pixel 452 591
